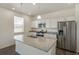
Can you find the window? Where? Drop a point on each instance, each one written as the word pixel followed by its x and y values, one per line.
pixel 18 24
pixel 18 28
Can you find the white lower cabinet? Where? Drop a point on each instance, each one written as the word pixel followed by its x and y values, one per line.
pixel 24 49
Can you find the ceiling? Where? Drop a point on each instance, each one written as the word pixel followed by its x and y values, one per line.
pixel 32 10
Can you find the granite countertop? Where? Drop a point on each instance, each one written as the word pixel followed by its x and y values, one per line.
pixel 46 32
pixel 42 43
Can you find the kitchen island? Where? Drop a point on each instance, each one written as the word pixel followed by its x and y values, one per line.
pixel 36 46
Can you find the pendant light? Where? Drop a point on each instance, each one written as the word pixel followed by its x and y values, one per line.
pixel 38 17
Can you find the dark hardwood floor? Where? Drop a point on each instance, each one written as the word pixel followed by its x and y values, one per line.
pixel 11 51
pixel 65 52
pixel 8 51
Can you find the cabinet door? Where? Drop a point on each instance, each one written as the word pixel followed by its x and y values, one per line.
pixel 34 24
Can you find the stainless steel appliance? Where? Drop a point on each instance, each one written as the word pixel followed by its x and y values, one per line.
pixel 67 32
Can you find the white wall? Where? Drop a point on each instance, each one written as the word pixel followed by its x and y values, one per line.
pixel 6 26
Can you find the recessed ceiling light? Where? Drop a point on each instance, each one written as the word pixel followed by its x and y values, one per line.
pixel 34 3
pixel 13 8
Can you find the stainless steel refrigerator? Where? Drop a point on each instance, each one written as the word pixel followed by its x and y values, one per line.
pixel 67 32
